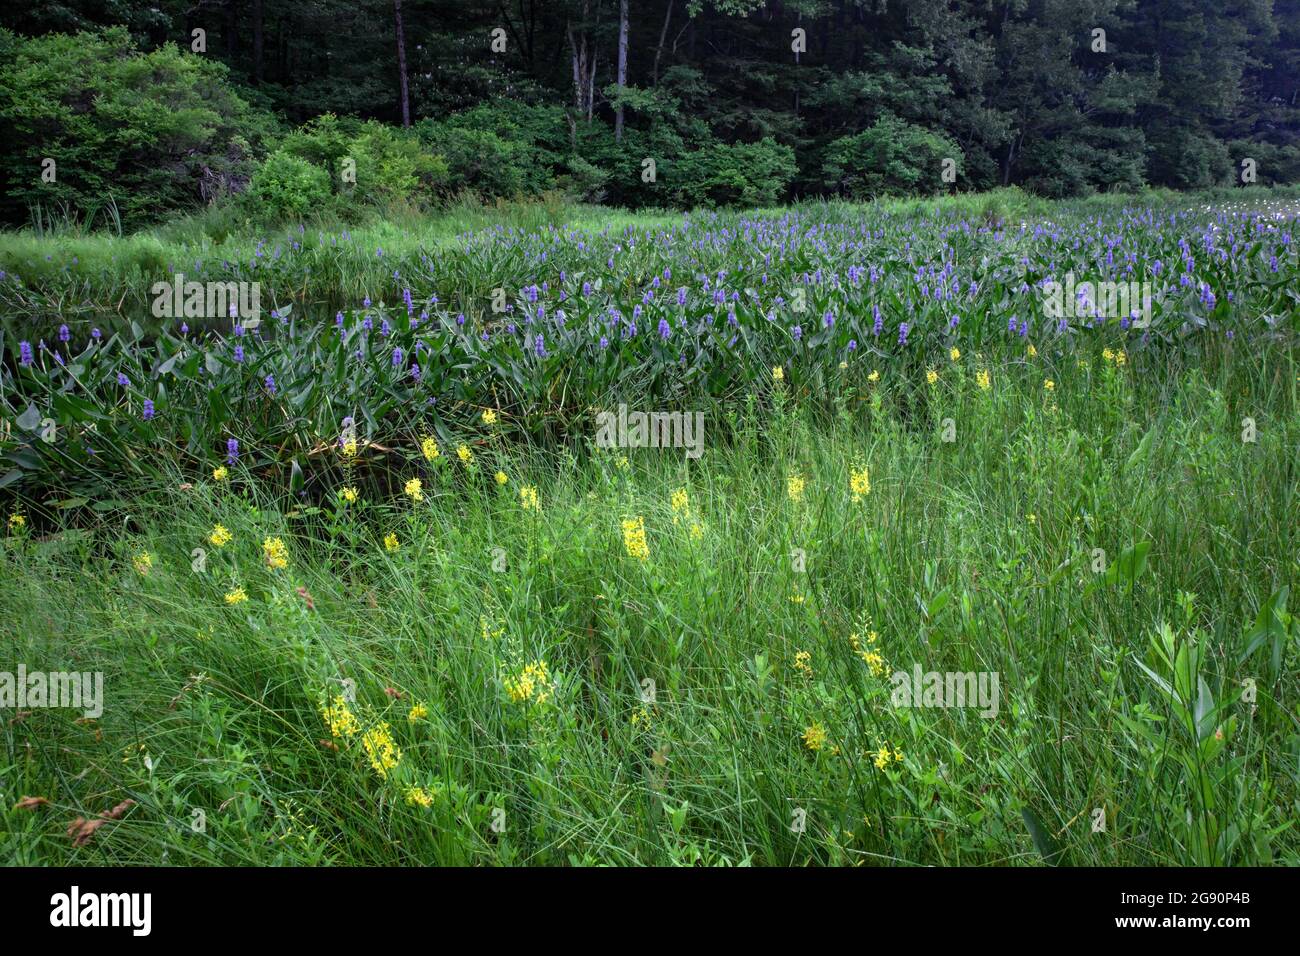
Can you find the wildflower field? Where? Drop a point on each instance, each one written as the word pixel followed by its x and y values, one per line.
pixel 365 587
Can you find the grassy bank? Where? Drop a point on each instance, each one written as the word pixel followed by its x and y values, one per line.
pixel 537 682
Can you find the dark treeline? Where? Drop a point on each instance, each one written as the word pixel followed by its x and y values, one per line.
pixel 735 101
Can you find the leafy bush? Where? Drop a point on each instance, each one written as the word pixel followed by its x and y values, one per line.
pixel 323 141
pixel 893 157
pixel 361 163
pixel 155 132
pixel 1187 158
pixel 584 182
pixel 745 174
pixel 392 165
pixel 1098 160
pixel 1273 163
pixel 285 186
pixel 478 159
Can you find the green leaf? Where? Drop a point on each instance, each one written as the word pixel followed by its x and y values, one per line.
pixel 1043 840
pixel 1129 565
pixel 1140 452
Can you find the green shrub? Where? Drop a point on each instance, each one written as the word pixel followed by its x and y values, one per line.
pixel 742 174
pixel 1097 159
pixel 323 141
pixel 1184 157
pixel 285 186
pixel 479 160
pixel 392 166
pixel 1274 163
pixel 893 157
pixel 584 182
pixel 155 132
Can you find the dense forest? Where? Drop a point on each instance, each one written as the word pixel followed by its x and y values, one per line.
pixel 296 106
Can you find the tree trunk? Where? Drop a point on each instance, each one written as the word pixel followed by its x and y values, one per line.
pixel 401 64
pixel 622 67
pixel 659 50
pixel 584 70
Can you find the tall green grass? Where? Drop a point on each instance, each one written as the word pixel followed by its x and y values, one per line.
pixel 678 704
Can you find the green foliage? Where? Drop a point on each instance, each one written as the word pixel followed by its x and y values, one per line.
pixel 286 187
pixel 479 160
pixel 392 166
pixel 689 695
pixel 743 174
pixel 893 157
pixel 152 131
pixel 1175 96
pixel 1186 157
pixel 324 142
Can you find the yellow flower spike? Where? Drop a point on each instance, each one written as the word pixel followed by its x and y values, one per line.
pixel 277 555
pixel 429 448
pixel 814 737
pixel 859 482
pixel 528 498
pixel 219 537
pixel 414 490
pixel 634 540
pixel 220 473
pixel 803 663
pixel 382 750
pixel 419 796
pixel 501 478
pixel 339 718
pixel 237 596
pixel 391 543
pixel 532 684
